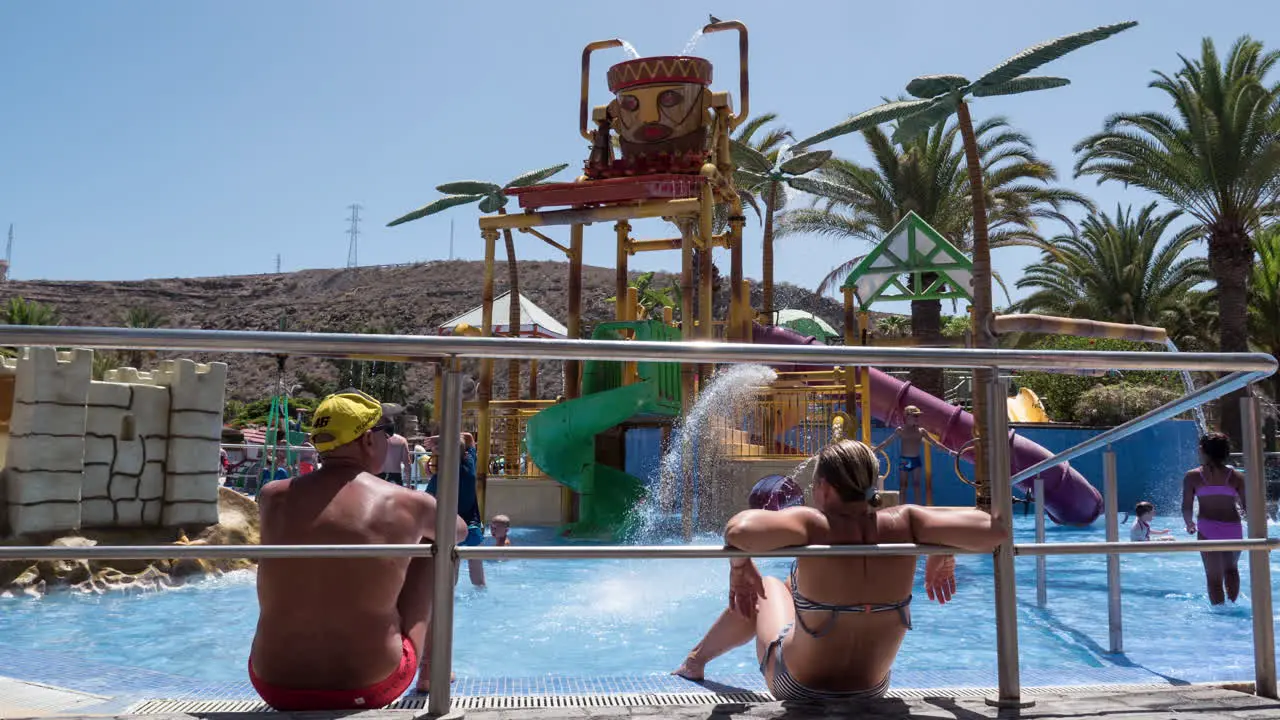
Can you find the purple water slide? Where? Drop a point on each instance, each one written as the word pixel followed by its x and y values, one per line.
pixel 1069 499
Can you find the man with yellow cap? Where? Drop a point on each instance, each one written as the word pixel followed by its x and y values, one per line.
pixel 343 633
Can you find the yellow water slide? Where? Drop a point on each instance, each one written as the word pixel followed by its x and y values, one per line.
pixel 1025 407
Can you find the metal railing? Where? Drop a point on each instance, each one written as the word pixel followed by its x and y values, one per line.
pixel 1243 368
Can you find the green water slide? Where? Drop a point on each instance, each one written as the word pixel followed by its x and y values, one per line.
pixel 561 438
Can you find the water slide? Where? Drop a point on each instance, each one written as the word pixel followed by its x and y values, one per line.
pixel 1025 407
pixel 1069 499
pixel 561 438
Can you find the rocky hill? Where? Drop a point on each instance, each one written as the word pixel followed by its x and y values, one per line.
pixel 405 299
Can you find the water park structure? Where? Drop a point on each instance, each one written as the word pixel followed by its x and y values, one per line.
pixel 662 148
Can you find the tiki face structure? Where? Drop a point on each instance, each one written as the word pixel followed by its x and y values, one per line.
pixel 660 106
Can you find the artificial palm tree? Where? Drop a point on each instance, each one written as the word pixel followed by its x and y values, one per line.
pixel 764 171
pixel 927 175
pixel 1129 267
pixel 492 199
pixel 939 97
pixel 1217 157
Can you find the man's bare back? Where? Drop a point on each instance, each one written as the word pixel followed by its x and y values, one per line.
pixel 337 633
pixel 334 622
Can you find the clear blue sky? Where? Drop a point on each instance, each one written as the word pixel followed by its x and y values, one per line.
pixel 158 139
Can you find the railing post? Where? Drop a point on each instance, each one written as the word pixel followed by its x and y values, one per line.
pixel 1264 629
pixel 446 539
pixel 1042 584
pixel 1115 630
pixel 996 445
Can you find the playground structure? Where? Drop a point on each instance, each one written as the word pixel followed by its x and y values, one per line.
pixel 661 149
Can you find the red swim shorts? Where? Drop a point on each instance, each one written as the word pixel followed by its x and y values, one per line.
pixel 371 698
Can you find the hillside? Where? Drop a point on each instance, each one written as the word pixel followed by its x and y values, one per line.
pixel 407 298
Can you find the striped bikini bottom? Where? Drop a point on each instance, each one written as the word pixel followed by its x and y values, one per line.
pixel 786 688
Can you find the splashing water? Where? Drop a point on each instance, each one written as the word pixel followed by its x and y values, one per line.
pixel 630 49
pixel 1190 386
pixel 693 42
pixel 697 443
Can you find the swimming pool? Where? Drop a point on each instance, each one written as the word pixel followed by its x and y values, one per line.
pixel 640 617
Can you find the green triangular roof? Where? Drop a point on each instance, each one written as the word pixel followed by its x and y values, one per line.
pixel 899 262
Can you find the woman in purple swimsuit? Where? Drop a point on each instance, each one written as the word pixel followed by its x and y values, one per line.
pixel 1220 490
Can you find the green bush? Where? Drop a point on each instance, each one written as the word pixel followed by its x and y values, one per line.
pixel 1061 394
pixel 1109 405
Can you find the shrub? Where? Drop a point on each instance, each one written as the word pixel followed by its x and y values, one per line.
pixel 1115 404
pixel 1061 394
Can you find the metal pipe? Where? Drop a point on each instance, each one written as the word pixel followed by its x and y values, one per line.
pixel 744 86
pixel 584 104
pixel 1264 629
pixel 1131 548
pixel 405 348
pixel 446 540
pixel 600 552
pixel 1213 390
pixel 1115 632
pixel 1042 581
pixel 1006 589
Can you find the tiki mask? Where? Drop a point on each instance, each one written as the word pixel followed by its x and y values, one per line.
pixel 660 109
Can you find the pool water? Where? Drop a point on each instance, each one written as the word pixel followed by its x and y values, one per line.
pixel 640 617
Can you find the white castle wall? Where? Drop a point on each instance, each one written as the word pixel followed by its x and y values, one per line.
pixel 44 465
pixel 137 449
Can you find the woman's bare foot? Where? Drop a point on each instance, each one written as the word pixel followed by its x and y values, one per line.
pixel 690 670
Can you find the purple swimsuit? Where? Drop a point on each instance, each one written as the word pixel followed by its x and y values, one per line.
pixel 1218 529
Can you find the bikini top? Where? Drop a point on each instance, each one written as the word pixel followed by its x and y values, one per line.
pixel 1205 489
pixel 803 603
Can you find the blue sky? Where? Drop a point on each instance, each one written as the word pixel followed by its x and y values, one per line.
pixel 160 139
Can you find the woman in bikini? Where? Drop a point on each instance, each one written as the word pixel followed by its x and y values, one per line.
pixel 1220 491
pixel 833 630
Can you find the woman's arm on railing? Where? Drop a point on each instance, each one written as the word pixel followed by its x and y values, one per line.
pixel 756 530
pixel 964 529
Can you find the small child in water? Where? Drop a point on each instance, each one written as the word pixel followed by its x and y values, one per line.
pixel 915 443
pixel 1142 531
pixel 499 526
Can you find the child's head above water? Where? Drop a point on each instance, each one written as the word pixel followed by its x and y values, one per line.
pixel 1144 511
pixel 499 525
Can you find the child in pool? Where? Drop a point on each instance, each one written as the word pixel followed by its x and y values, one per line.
pixel 499 526
pixel 915 443
pixel 1142 531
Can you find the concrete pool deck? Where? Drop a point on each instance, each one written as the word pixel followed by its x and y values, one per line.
pixel 1187 702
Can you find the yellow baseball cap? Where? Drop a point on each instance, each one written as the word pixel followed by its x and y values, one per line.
pixel 345 416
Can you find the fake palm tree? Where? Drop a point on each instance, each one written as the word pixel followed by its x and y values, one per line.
pixel 938 97
pixel 492 199
pixel 764 171
pixel 1215 156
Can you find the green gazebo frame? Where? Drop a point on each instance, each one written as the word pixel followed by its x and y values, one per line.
pixel 910 251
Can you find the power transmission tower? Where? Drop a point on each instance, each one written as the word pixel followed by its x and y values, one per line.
pixel 354 233
pixel 277 263
pixel 8 256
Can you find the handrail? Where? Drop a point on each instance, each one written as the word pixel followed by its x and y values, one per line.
pixel 601 552
pixel 433 348
pixel 1213 390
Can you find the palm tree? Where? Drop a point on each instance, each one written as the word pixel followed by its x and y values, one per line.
pixel 1217 157
pixel 142 317
pixel 764 171
pixel 1264 298
pixel 926 175
pixel 492 199
pixel 19 311
pixel 941 95
pixel 1192 323
pixel 1127 267
pixel 893 326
